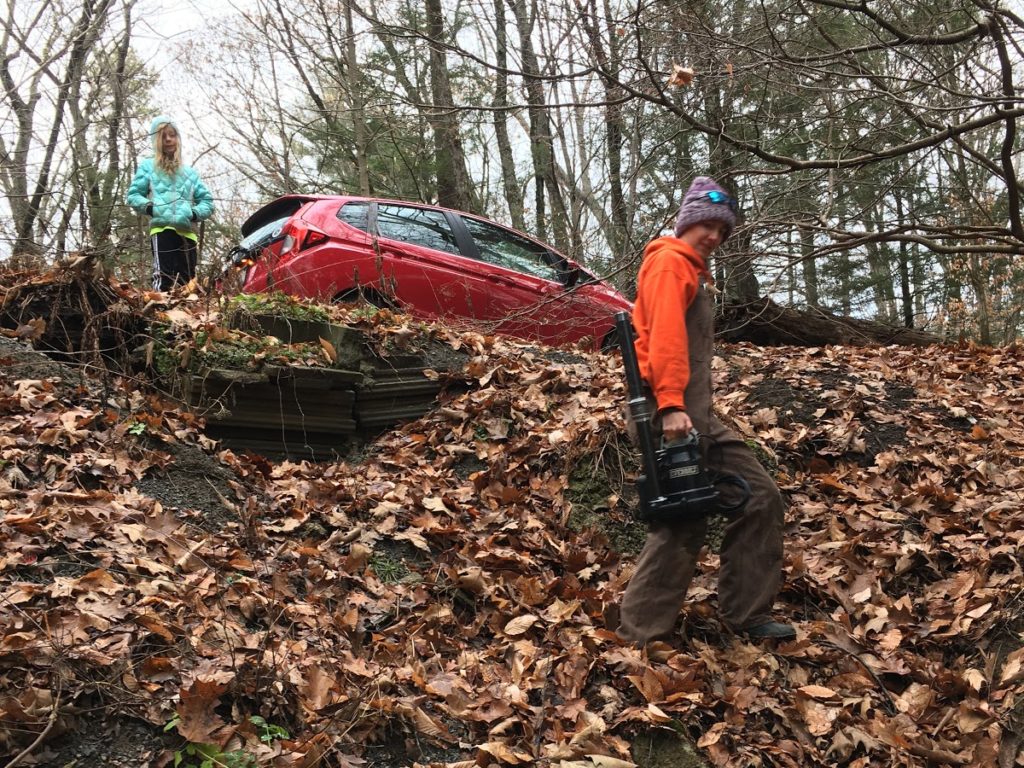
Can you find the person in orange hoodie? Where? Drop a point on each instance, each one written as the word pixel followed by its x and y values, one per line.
pixel 674 320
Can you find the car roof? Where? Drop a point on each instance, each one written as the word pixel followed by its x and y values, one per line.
pixel 287 205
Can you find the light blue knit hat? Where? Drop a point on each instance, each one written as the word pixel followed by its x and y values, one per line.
pixel 161 120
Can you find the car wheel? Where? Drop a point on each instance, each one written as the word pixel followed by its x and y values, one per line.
pixel 610 341
pixel 369 296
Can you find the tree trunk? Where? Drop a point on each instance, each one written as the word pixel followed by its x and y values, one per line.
pixel 102 202
pixel 15 161
pixel 984 303
pixel 454 189
pixel 509 182
pixel 881 277
pixel 809 266
pixel 735 273
pixel 355 95
pixel 613 138
pixel 541 144
pixel 906 293
pixel 765 323
pixel 84 33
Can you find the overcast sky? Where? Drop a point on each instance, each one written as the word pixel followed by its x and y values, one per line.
pixel 160 30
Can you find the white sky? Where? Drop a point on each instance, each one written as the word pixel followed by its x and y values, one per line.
pixel 160 31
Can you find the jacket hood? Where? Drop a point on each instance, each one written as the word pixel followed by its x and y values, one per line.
pixel 679 248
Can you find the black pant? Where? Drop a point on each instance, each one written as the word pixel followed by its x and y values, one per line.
pixel 174 259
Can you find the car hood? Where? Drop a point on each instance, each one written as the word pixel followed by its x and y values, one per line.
pixel 609 294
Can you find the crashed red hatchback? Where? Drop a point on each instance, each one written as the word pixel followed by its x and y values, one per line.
pixel 435 263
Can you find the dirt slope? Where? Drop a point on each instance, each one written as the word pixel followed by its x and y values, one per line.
pixel 436 602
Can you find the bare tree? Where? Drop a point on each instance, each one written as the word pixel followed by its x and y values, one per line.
pixel 509 181
pixel 546 188
pixel 115 83
pixel 454 188
pixel 42 65
pixel 873 147
pixel 355 90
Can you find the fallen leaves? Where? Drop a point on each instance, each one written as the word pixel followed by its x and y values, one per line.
pixel 430 592
pixel 197 720
pixel 519 625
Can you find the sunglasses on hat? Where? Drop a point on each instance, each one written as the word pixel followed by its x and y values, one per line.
pixel 720 198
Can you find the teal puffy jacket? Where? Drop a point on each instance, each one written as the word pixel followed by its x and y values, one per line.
pixel 177 201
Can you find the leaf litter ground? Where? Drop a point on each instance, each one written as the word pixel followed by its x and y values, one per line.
pixel 437 603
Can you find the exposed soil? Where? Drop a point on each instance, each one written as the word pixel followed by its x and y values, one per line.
pixel 195 480
pixel 798 406
pixel 119 743
pixel 26 363
pixel 666 749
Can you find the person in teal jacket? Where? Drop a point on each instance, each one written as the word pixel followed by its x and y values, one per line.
pixel 176 200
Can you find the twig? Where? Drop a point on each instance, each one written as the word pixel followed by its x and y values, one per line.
pixel 945 719
pixel 885 691
pixel 933 755
pixel 49 726
pixel 937 755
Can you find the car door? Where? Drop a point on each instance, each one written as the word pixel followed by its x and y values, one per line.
pixel 425 266
pixel 529 296
pixel 329 252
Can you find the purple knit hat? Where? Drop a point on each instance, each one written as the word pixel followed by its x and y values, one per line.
pixel 698 206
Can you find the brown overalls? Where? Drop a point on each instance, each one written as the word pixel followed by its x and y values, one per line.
pixel 751 553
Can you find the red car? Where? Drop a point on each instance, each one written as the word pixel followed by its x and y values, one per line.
pixel 431 262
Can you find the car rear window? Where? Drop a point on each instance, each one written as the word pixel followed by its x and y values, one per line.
pixel 418 226
pixel 264 234
pixel 356 214
pixel 509 250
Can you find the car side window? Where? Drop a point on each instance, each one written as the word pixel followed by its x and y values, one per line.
pixel 355 214
pixel 509 250
pixel 418 226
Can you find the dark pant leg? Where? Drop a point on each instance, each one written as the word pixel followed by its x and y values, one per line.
pixel 174 260
pixel 751 554
pixel 657 589
pixel 651 603
pixel 191 254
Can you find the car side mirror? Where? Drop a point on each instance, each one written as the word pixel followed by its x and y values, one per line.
pixel 571 276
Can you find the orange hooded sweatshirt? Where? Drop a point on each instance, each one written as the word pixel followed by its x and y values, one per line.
pixel 666 286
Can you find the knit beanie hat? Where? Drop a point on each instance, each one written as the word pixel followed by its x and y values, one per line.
pixel 699 206
pixel 159 121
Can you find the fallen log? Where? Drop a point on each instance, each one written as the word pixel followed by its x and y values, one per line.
pixel 766 323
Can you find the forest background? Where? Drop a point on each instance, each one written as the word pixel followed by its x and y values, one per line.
pixel 872 145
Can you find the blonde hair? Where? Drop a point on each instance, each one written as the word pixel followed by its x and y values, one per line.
pixel 169 164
